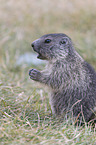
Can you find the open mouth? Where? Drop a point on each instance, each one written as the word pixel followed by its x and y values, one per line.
pixel 40 56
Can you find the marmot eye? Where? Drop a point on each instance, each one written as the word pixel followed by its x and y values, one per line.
pixel 47 41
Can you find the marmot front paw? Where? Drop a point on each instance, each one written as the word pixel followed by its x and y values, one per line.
pixel 34 74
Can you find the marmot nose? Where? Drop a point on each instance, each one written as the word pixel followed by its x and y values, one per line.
pixel 32 44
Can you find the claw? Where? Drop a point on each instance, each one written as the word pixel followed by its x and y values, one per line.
pixel 30 72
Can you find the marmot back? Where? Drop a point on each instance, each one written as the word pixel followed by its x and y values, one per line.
pixel 72 81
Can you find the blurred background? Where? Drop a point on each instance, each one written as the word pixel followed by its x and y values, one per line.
pixel 25 112
pixel 21 22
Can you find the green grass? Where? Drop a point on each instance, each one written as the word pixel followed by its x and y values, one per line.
pixel 25 112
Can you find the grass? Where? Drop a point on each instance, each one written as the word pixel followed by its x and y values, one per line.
pixel 25 112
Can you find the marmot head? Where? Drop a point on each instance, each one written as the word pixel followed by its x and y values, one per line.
pixel 52 46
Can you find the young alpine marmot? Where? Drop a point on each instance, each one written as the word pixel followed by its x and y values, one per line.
pixel 72 81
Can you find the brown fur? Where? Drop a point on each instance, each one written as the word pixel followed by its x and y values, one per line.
pixel 72 81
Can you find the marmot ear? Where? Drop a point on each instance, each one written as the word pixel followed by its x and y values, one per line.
pixel 64 41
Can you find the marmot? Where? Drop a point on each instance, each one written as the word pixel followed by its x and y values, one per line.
pixel 72 80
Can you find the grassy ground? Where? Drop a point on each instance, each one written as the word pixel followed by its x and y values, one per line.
pixel 25 113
